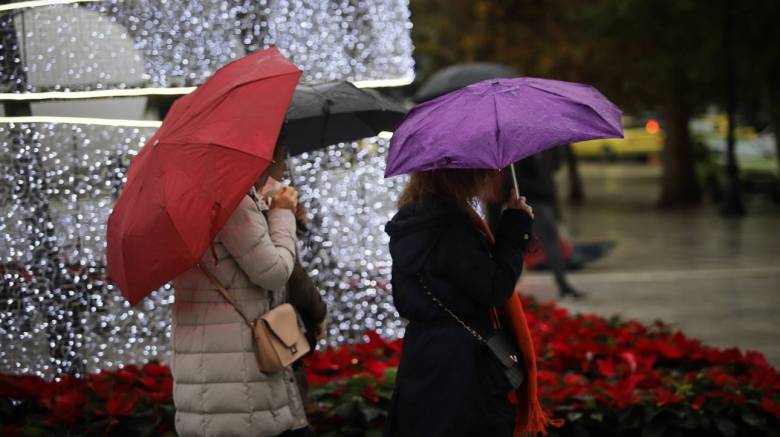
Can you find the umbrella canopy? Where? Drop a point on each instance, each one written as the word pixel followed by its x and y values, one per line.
pixel 190 176
pixel 333 112
pixel 493 123
pixel 458 76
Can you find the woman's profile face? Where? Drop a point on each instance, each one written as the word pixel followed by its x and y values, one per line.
pixel 491 188
pixel 276 169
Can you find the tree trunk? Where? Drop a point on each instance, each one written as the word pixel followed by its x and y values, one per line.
pixel 732 202
pixel 679 186
pixel 776 129
pixel 774 106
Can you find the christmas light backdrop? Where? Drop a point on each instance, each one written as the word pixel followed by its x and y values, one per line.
pixel 58 181
pixel 152 43
pixel 346 250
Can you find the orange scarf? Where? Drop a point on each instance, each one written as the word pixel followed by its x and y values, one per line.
pixel 531 419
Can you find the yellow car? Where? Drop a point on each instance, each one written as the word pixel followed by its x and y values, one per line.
pixel 712 128
pixel 642 139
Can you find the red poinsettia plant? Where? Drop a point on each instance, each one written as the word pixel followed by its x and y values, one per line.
pixel 603 376
pixel 130 400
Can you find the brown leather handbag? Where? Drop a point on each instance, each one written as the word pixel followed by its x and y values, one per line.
pixel 278 334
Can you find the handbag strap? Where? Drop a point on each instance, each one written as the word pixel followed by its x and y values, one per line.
pixel 465 325
pixel 225 294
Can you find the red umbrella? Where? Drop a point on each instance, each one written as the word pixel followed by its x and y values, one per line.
pixel 192 173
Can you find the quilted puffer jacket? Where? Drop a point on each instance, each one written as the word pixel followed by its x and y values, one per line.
pixel 218 389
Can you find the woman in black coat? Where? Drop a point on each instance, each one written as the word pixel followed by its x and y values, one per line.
pixel 448 384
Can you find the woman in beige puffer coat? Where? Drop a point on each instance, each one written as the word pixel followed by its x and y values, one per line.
pixel 218 388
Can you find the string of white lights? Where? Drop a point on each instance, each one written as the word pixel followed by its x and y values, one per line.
pixel 81 120
pixel 59 315
pixel 118 48
pixel 96 94
pixel 134 92
pixel 385 135
pixel 39 3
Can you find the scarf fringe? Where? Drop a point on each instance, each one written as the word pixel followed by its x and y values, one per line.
pixel 534 421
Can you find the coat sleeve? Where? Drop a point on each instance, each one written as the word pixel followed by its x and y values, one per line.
pixel 306 299
pixel 487 276
pixel 305 296
pixel 263 248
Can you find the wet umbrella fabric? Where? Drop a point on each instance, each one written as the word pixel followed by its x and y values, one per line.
pixel 493 123
pixel 190 176
pixel 458 76
pixel 334 112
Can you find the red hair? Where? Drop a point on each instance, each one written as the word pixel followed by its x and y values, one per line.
pixel 461 185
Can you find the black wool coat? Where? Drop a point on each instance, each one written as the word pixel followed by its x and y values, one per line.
pixel 448 383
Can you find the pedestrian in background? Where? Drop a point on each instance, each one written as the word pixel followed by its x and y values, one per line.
pixel 307 300
pixel 535 177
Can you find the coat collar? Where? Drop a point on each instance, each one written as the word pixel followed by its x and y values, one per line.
pixel 259 200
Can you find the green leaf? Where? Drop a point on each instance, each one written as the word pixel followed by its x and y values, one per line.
pixel 148 427
pixel 726 426
pixel 690 421
pixel 391 373
pixel 31 431
pixel 716 405
pixel 658 424
pixel 384 393
pixel 753 419
pixel 97 427
pixel 345 410
pixel 370 413
pixel 6 409
pixel 631 420
pixel 351 430
pixel 374 433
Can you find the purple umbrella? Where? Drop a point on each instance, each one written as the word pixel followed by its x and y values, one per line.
pixel 494 123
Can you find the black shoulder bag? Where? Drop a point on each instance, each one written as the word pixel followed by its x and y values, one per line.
pixel 500 343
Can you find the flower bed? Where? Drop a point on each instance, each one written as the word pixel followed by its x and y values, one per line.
pixel 603 376
pixel 128 401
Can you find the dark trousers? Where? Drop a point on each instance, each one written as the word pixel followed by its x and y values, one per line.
pixel 546 232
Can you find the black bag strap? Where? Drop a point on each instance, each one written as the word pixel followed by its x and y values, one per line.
pixel 460 321
pixel 436 300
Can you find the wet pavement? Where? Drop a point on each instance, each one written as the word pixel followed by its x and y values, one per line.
pixel 715 279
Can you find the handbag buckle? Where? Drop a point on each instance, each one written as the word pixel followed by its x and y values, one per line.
pixel 513 357
pixel 294 349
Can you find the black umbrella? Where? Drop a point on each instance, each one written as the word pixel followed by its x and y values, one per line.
pixel 458 76
pixel 333 112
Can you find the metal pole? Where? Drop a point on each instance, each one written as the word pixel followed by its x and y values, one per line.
pixel 514 180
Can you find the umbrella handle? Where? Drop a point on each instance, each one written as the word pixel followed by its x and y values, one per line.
pixel 514 180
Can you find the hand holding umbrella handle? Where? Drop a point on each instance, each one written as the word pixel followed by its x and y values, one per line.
pixel 519 201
